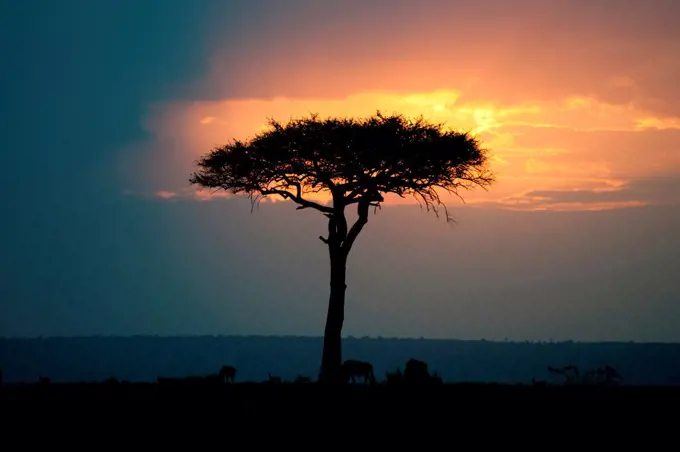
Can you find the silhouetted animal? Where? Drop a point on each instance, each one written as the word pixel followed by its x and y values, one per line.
pixel 273 378
pixel 227 374
pixel 353 369
pixel 302 380
pixel 570 373
pixel 394 377
pixel 416 372
pixel 602 376
pixel 436 379
pixel 540 383
pixel 611 375
pixel 575 374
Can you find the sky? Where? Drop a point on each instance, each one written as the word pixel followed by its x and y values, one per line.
pixel 107 105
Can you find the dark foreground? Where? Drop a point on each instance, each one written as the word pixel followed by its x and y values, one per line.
pixel 302 411
pixel 150 414
pixel 244 398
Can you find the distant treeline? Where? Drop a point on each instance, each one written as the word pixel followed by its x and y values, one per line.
pixel 290 359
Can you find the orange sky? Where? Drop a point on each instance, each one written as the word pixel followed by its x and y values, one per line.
pixel 579 111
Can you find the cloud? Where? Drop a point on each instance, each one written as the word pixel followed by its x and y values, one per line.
pixel 580 206
pixel 571 95
pixel 526 153
pixel 658 123
pixel 205 194
pixel 516 52
pixel 636 193
pixel 165 194
pixel 581 169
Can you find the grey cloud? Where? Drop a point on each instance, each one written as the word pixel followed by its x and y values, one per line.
pixel 543 43
pixel 657 190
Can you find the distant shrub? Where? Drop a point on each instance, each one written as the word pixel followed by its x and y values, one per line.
pixel 603 376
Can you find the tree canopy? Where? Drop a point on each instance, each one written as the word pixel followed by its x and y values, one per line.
pixel 354 160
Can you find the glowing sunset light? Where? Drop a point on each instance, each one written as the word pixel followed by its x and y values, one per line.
pixel 566 111
pixel 544 146
pixel 112 107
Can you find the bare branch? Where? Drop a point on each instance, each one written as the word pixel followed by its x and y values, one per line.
pixel 358 225
pixel 304 204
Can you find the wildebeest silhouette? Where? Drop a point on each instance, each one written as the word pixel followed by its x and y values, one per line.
pixel 353 369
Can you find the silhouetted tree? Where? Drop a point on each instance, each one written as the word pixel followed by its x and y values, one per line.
pixel 355 161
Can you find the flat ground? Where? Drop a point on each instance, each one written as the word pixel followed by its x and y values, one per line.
pixel 166 410
pixel 312 396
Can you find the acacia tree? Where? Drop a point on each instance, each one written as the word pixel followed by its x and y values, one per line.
pixel 354 161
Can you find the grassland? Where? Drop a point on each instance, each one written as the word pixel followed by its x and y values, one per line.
pixel 311 396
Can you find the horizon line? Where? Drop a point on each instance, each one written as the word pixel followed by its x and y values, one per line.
pixel 348 337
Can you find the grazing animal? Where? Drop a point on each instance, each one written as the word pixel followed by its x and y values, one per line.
pixel 540 383
pixel 436 379
pixel 611 375
pixel 603 376
pixel 273 378
pixel 227 374
pixel 570 373
pixel 416 372
pixel 353 369
pixel 394 377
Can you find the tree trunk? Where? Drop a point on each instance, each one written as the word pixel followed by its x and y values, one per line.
pixel 339 243
pixel 331 361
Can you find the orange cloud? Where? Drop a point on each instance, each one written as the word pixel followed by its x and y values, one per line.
pixel 491 50
pixel 540 145
pixel 546 205
pixel 559 108
pixel 658 123
pixel 204 194
pixel 165 194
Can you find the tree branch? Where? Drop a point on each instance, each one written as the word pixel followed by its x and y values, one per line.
pixel 303 203
pixel 357 160
pixel 358 225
